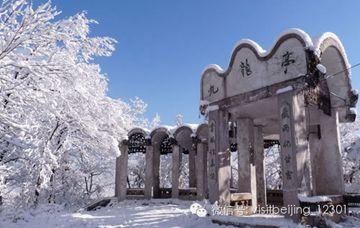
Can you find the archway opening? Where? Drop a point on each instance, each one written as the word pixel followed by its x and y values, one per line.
pixel 184 170
pixel 136 164
pixel 273 173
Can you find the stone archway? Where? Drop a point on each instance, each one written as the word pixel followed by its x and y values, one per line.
pixel 161 146
pixel 280 95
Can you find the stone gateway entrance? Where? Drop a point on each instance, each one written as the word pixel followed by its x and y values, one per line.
pixel 295 94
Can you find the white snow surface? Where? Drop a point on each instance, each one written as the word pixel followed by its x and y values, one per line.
pixel 314 199
pixel 140 213
pixel 285 89
pixel 260 220
pixel 211 108
pixel 170 129
pixel 204 102
pixel 321 68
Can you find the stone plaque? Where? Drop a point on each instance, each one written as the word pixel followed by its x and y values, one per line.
pixel 249 70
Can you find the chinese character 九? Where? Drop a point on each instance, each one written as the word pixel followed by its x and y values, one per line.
pixel 212 90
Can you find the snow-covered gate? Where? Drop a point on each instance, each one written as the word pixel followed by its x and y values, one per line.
pixel 175 140
pixel 296 93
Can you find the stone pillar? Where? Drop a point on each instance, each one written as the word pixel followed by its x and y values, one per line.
pixel 117 176
pixel 206 176
pixel 212 159
pixel 149 171
pixel 329 163
pixel 156 168
pixel 121 173
pixel 246 165
pixel 294 145
pixel 307 176
pixel 192 168
pixel 176 161
pixel 315 150
pixel 200 170
pixel 259 166
pixel 219 157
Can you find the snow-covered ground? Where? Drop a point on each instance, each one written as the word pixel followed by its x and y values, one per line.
pixel 154 213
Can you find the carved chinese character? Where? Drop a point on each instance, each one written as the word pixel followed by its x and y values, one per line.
pixel 212 126
pixel 287 159
pixel 252 155
pixel 285 128
pixel 287 60
pixel 212 90
pixel 285 113
pixel 245 68
pixel 212 163
pixel 286 144
pixel 288 174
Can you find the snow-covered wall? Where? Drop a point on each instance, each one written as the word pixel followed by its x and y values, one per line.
pixel 290 57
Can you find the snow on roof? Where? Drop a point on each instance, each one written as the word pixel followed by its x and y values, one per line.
pixel 193 127
pixel 318 41
pixel 215 67
pixel 257 47
pixel 147 131
pixel 312 44
pixel 171 129
pixel 304 36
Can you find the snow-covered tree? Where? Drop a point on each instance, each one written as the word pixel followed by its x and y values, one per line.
pixel 179 120
pixel 273 168
pixel 59 131
pixel 350 140
pixel 350 153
